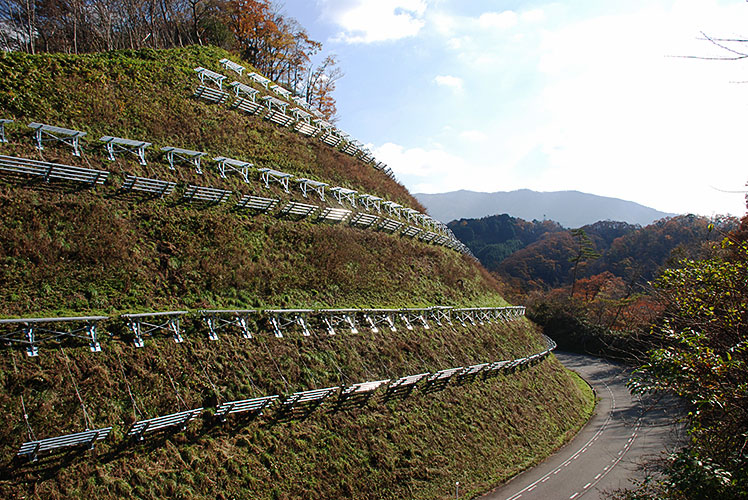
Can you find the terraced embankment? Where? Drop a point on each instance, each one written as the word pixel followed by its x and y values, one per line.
pixel 68 251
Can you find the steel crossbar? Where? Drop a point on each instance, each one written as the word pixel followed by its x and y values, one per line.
pixel 241 89
pixel 225 164
pixel 147 323
pixel 335 318
pixel 282 319
pixel 439 314
pixel 465 315
pixel 376 317
pixel 369 201
pixel 316 186
pixel 346 194
pixel 179 155
pixel 392 208
pixel 49 133
pixel 256 77
pixel 221 319
pixel 30 332
pixel 300 101
pixel 280 91
pixel 3 123
pixel 212 76
pixel 229 64
pixel 120 145
pixel 268 175
pixel 413 315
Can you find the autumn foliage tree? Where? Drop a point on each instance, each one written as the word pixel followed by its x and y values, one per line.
pixel 321 85
pixel 275 44
pixel 703 359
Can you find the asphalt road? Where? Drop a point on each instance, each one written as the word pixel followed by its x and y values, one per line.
pixel 608 452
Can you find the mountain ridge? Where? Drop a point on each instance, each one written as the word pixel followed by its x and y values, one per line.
pixel 569 208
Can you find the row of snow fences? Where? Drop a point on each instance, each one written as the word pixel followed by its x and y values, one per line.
pixel 173 156
pixel 31 333
pixel 295 406
pixel 275 108
pixel 390 216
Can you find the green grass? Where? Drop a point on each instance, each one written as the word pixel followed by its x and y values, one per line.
pixel 96 252
pixel 480 433
pixel 588 394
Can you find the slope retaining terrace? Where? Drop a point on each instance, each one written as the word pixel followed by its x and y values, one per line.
pixel 42 170
pixel 93 253
pixel 488 369
pixel 26 331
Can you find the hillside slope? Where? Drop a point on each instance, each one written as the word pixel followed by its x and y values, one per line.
pixel 571 209
pixel 68 251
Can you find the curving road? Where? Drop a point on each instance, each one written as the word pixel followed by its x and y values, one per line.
pixel 607 453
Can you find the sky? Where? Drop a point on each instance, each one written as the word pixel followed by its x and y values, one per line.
pixel 585 95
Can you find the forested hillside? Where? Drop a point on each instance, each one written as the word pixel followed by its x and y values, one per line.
pixel 492 239
pixel 542 255
pixel 669 298
pixel 107 246
pixel 584 285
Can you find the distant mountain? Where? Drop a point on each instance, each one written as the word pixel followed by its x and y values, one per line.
pixel 571 209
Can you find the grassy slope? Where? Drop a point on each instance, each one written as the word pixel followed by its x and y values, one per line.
pixel 98 252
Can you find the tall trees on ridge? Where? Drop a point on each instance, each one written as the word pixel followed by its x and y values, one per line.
pixel 278 46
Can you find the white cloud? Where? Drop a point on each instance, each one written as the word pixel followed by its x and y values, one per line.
pixel 533 16
pixel 623 119
pixel 594 103
pixel 423 170
pixel 473 136
pixel 369 21
pixel 498 20
pixel 566 98
pixel 452 82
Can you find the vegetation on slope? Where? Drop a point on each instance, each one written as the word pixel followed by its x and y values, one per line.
pixel 701 357
pixel 588 287
pixel 686 330
pixel 98 251
pixel 492 239
pixel 478 434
